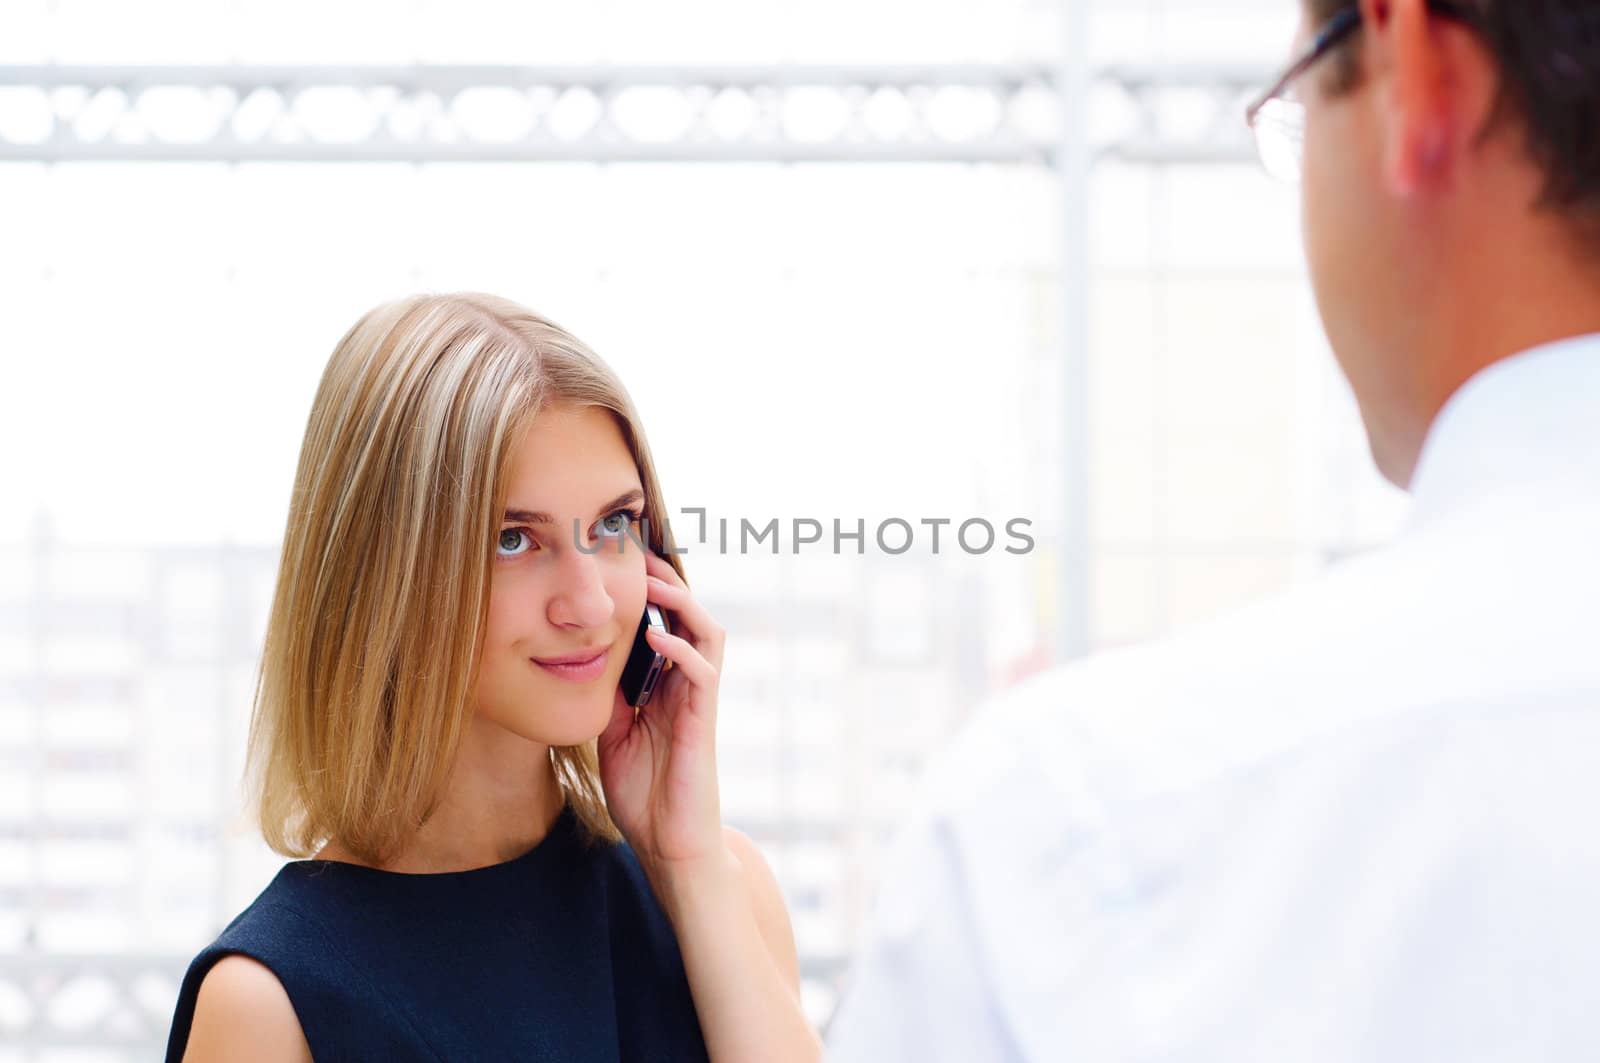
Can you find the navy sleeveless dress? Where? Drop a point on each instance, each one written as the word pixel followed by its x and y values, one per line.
pixel 559 954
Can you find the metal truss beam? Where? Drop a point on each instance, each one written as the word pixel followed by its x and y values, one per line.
pixel 960 113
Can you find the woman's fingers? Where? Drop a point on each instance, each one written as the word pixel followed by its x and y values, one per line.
pixel 695 668
pixel 621 723
pixel 703 633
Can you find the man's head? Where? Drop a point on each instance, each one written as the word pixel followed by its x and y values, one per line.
pixel 1450 194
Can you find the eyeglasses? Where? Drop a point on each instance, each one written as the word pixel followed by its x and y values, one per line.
pixel 1277 117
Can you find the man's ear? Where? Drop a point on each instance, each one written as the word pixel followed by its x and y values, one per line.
pixel 1406 63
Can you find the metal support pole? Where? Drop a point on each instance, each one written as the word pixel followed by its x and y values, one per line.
pixel 1072 166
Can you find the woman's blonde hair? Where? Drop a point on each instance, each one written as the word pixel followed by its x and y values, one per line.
pixel 371 650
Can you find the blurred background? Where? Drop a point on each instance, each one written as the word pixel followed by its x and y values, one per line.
pixel 856 261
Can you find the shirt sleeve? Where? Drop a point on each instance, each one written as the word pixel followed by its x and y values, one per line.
pixel 917 989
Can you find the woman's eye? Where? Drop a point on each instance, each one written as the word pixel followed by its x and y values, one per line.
pixel 509 540
pixel 618 523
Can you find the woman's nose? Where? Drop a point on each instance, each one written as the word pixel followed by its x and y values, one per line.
pixel 581 599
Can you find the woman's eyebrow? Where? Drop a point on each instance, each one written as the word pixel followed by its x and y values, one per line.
pixel 526 516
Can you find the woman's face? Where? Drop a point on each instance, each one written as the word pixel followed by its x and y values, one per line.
pixel 572 483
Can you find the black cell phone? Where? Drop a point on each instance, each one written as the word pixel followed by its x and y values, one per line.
pixel 644 665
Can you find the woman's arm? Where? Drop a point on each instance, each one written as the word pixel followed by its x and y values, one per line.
pixel 738 950
pixel 659 769
pixel 242 1014
pixel 766 898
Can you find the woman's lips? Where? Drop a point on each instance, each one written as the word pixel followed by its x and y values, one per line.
pixel 585 672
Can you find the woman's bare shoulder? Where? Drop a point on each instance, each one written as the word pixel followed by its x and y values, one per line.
pixel 242 1013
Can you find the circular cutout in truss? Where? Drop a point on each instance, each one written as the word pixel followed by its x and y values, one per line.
pixel 653 114
pixel 68 100
pixel 181 114
pixel 334 114
pixel 888 115
pixel 100 117
pixel 733 114
pixel 1035 113
pixel 815 114
pixel 963 113
pixel 26 116
pixel 411 117
pixel 575 114
pixel 257 114
pixel 494 115
pixel 1182 112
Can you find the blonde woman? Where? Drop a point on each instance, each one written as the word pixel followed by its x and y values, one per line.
pixel 498 857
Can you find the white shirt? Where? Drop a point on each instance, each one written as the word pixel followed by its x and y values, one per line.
pixel 1357 820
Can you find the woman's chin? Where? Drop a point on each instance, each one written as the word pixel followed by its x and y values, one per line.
pixel 576 723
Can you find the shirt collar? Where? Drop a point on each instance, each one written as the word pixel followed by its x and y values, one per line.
pixel 1528 419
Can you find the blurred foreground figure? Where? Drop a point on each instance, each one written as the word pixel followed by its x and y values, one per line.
pixel 1353 821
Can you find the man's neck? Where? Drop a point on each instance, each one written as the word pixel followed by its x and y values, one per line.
pixel 1506 302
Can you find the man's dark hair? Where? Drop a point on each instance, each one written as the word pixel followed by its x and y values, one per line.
pixel 1548 52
